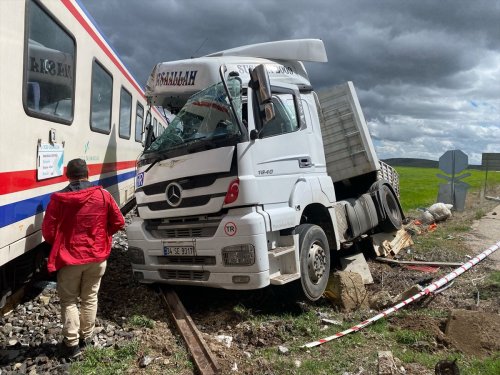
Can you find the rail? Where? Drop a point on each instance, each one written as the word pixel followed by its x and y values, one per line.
pixel 202 356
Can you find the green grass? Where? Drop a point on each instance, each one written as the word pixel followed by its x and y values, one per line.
pixel 407 337
pixel 141 321
pixel 419 186
pixel 491 286
pixel 106 361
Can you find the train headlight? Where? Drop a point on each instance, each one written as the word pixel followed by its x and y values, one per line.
pixel 238 255
pixel 136 255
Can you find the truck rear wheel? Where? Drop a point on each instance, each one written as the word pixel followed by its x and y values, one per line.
pixel 390 205
pixel 314 260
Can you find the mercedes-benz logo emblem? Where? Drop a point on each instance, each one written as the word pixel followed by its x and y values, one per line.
pixel 174 194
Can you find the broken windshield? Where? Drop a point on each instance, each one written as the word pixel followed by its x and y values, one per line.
pixel 207 115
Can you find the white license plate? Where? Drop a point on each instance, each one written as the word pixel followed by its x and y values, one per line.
pixel 178 250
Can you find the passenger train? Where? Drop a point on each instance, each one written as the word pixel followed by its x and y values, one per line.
pixel 64 94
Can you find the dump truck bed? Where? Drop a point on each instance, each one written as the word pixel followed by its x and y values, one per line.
pixel 349 151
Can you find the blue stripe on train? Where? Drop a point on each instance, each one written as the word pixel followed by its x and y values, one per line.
pixel 16 211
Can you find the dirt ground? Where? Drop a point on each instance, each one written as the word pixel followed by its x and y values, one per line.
pixel 472 328
pixel 486 231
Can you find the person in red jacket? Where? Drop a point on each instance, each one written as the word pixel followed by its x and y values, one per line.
pixel 79 223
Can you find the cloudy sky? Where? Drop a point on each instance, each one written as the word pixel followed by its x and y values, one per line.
pixel 427 72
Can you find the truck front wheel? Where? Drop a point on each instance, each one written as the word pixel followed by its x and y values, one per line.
pixel 314 260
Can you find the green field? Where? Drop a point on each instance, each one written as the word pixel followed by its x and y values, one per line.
pixel 419 186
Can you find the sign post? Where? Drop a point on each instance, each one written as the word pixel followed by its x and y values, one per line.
pixel 454 191
pixel 490 161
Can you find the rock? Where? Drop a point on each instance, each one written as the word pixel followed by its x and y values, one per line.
pixel 261 342
pixel 415 289
pixel 380 300
pixel 145 361
pixel 474 332
pixel 283 349
pixel 7 329
pixel 224 339
pixel 386 364
pixel 347 290
pixel 45 299
pixel 40 360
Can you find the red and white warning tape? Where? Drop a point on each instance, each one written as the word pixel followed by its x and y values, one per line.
pixel 428 290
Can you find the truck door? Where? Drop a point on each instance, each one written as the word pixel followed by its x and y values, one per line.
pixel 281 153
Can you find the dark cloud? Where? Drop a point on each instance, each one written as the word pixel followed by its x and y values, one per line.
pixel 427 72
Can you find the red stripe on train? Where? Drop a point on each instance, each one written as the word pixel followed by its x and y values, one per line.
pixel 13 182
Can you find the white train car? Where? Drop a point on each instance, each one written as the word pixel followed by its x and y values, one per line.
pixel 64 94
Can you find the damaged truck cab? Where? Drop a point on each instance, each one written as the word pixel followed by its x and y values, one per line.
pixel 257 179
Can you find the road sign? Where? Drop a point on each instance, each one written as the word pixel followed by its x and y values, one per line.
pixel 453 161
pixel 491 161
pixel 454 191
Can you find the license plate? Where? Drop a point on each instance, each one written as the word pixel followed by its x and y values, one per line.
pixel 178 250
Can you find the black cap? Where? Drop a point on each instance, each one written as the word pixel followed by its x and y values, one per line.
pixel 77 169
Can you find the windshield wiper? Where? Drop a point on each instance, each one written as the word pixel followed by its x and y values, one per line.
pixel 200 143
pixel 158 159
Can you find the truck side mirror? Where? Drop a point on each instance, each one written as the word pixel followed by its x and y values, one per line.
pixel 148 129
pixel 259 80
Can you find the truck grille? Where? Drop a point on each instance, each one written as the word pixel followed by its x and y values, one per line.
pixel 195 260
pixel 189 227
pixel 183 232
pixel 184 275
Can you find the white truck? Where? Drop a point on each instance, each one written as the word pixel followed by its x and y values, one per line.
pixel 257 179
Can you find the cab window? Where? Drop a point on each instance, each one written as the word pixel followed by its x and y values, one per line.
pixel 49 67
pixel 286 117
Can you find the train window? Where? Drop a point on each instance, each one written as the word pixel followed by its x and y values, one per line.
pixel 49 67
pixel 101 99
pixel 125 113
pixel 155 127
pixel 139 117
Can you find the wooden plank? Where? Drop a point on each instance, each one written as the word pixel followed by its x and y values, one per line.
pixel 202 356
pixel 391 243
pixel 419 262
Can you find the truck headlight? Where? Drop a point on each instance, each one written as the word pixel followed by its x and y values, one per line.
pixel 238 255
pixel 136 255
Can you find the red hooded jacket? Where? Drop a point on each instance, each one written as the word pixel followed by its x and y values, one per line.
pixel 79 225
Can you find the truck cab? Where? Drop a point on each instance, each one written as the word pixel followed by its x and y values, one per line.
pixel 240 190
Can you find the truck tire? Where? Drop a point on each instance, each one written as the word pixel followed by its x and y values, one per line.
pixel 314 260
pixel 389 203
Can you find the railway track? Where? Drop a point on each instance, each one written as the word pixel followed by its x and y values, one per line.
pixel 202 356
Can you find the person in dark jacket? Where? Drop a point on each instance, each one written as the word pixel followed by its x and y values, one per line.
pixel 79 223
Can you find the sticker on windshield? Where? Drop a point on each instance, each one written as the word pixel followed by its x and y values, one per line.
pixel 139 180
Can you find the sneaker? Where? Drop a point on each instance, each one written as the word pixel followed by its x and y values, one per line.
pixel 69 352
